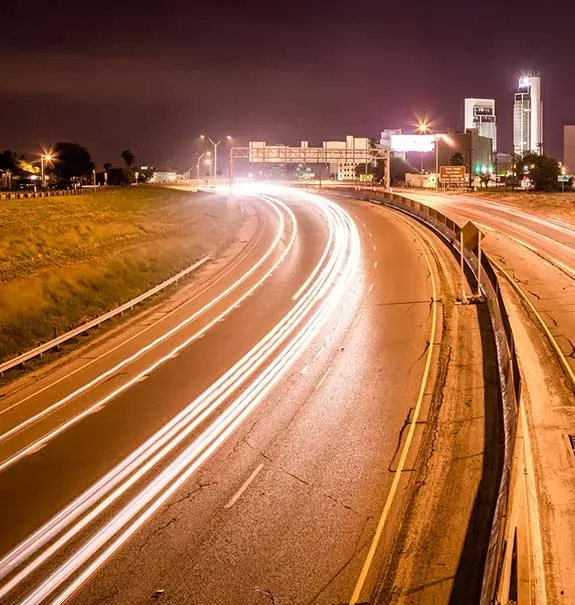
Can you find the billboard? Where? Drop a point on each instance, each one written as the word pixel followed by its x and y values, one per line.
pixel 412 142
pixel 452 175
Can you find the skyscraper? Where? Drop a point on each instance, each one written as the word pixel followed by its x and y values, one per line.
pixel 528 116
pixel 480 114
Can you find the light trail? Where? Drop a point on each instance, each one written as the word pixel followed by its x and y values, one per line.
pixel 178 309
pixel 311 310
pixel 34 446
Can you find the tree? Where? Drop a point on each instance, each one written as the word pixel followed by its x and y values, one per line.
pixel 8 161
pixel 399 168
pixel 107 166
pixel 457 159
pixel 71 160
pixel 118 177
pixel 129 158
pixel 541 170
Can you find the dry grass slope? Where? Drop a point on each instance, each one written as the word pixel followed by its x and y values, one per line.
pixel 65 260
pixel 561 205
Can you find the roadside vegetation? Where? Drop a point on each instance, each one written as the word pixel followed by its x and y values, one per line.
pixel 65 260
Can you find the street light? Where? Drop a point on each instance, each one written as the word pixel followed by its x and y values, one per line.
pixel 45 157
pixel 215 144
pixel 207 162
pixel 422 128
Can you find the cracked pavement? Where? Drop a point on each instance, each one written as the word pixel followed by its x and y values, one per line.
pixel 317 451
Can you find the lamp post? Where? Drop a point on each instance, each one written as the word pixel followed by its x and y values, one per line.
pixel 422 128
pixel 215 144
pixel 44 157
pixel 208 153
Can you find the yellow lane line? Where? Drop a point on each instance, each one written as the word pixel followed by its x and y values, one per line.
pixel 401 464
pixel 550 337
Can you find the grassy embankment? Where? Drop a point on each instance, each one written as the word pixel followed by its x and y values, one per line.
pixel 560 205
pixel 65 260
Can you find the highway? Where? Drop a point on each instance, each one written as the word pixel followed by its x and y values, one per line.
pixel 236 445
pixel 536 254
pixel 538 251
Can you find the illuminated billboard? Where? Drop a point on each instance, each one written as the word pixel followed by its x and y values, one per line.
pixel 412 142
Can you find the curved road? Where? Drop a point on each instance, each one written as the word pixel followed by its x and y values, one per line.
pixel 239 450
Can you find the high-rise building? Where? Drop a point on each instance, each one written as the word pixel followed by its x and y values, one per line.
pixel 480 115
pixel 528 116
pixel 569 149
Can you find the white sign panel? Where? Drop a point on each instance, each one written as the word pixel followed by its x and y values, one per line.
pixel 412 142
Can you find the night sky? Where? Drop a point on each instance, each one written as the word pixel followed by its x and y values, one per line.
pixel 112 75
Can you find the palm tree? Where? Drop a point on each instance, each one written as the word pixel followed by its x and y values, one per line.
pixel 129 158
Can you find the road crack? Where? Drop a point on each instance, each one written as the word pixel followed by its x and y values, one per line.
pixel 156 532
pixel 268 593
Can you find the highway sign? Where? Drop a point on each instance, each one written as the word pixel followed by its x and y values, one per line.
pixel 563 178
pixel 452 175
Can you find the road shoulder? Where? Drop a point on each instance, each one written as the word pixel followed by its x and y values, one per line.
pixel 445 526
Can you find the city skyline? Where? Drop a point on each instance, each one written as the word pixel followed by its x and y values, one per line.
pixel 154 82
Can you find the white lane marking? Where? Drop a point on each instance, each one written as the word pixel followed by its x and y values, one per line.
pixel 370 287
pixel 322 379
pixel 375 264
pixel 243 488
pixel 370 235
pixel 374 247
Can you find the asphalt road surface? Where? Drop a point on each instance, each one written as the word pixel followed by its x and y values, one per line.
pixel 237 447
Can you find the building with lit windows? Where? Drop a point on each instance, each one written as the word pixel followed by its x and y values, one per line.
pixel 569 149
pixel 480 115
pixel 528 116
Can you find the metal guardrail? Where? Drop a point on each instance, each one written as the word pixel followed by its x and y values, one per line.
pixel 24 195
pixel 16 361
pixel 508 367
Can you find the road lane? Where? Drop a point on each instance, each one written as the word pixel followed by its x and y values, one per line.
pixel 298 529
pixel 119 418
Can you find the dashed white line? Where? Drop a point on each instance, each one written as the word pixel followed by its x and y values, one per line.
pixel 375 264
pixel 370 287
pixel 243 488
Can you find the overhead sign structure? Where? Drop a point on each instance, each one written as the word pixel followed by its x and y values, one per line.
pixel 412 142
pixel 452 175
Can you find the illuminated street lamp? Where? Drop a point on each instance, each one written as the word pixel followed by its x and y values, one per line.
pixel 45 157
pixel 207 162
pixel 215 144
pixel 423 128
